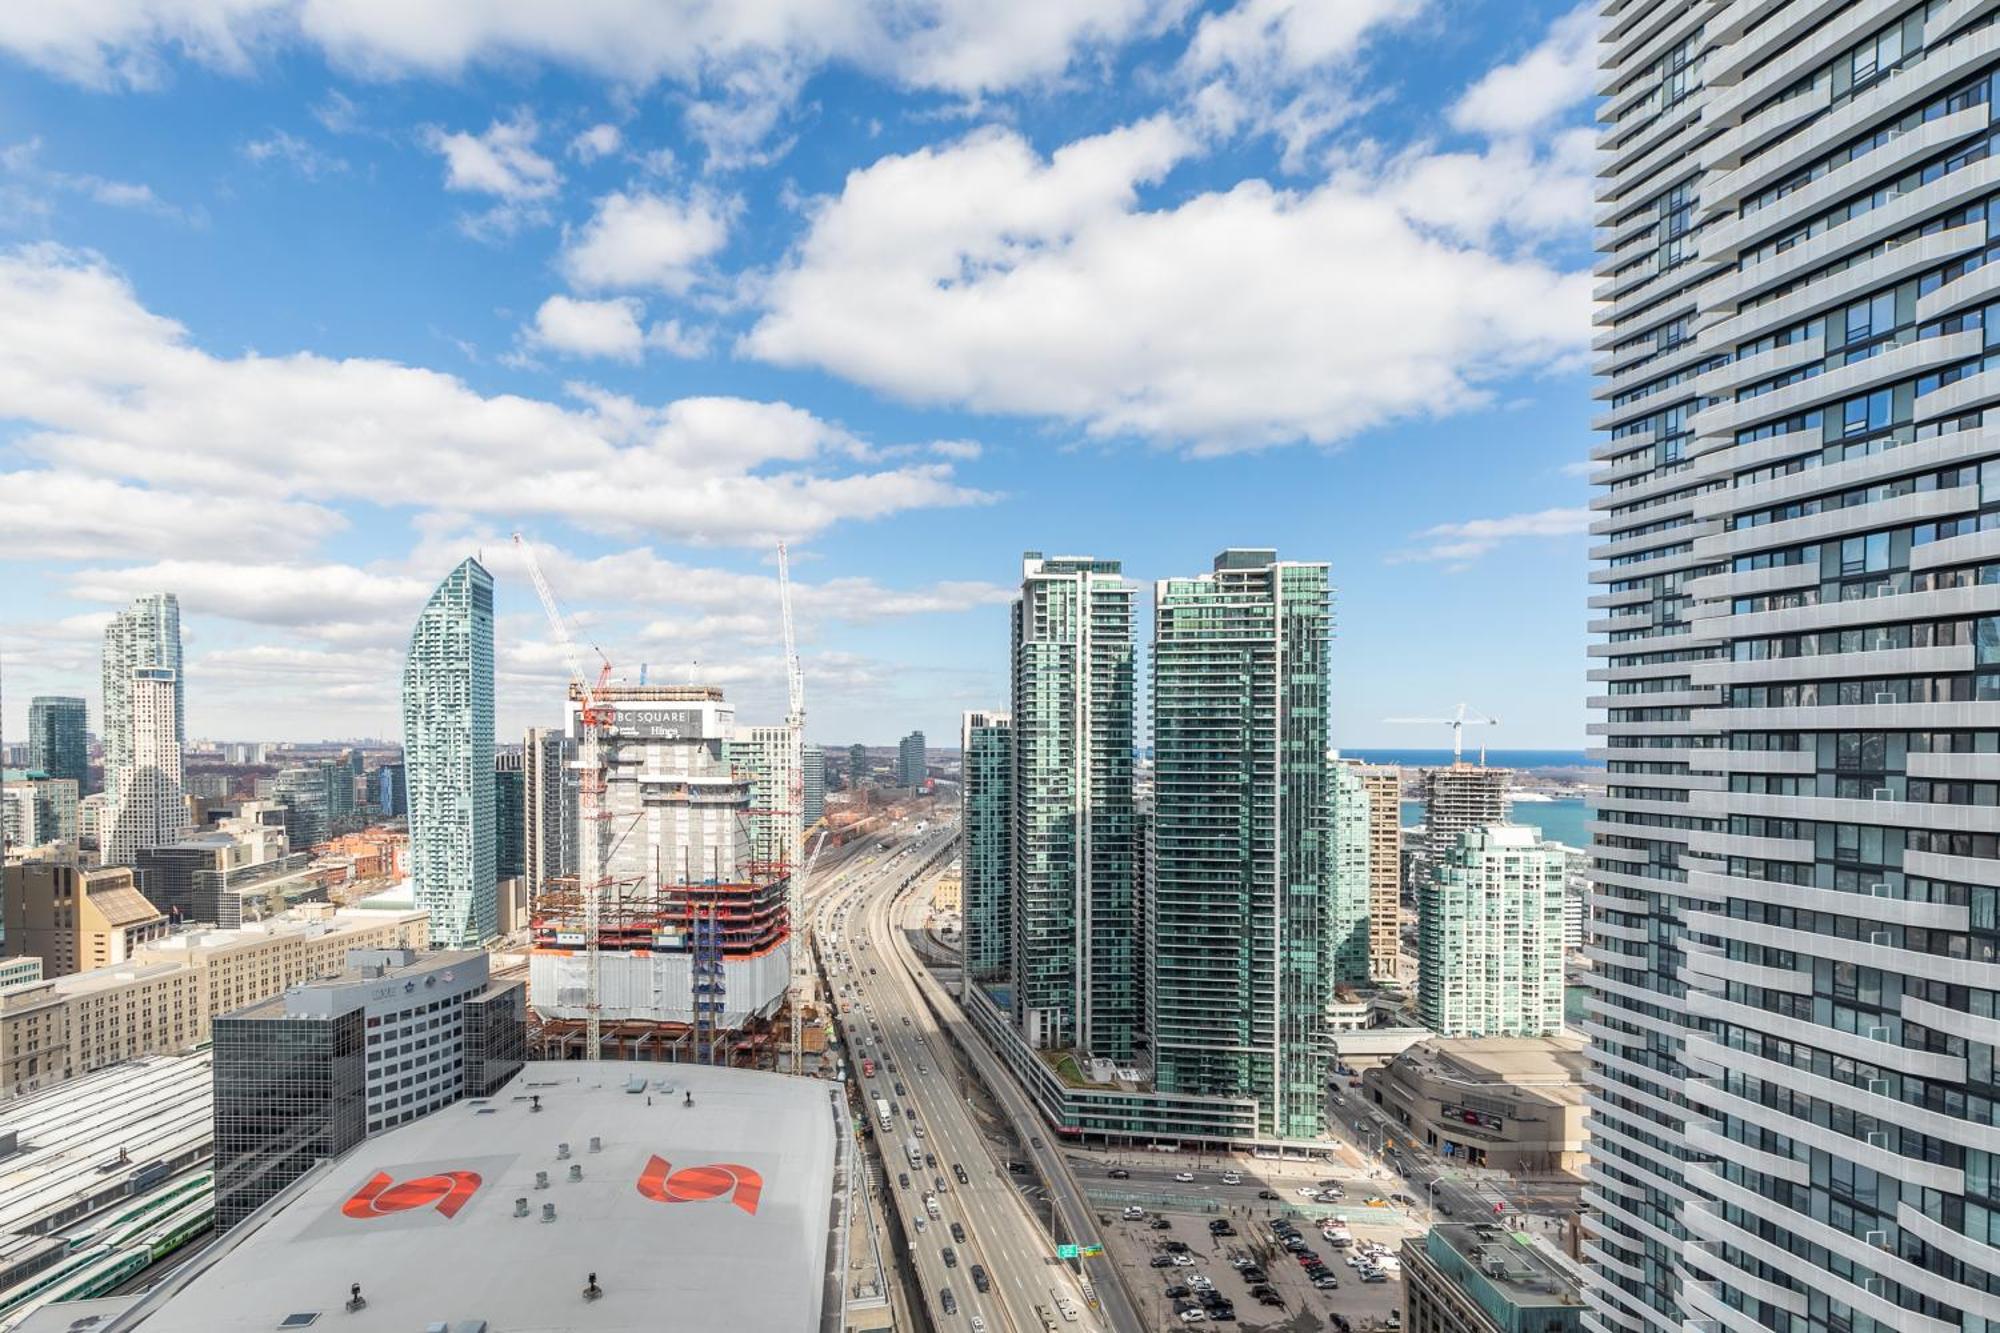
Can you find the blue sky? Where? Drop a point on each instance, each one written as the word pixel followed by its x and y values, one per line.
pixel 301 301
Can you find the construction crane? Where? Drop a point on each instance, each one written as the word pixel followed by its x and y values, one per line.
pixel 793 834
pixel 593 849
pixel 1463 718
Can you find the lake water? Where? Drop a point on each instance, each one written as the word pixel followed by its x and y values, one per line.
pixel 1559 821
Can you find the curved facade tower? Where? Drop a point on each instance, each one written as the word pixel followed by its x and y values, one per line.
pixel 448 759
pixel 1796 861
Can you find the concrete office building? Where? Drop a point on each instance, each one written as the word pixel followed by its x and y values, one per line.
pixel 147 805
pixel 72 918
pixel 550 791
pixel 986 743
pixel 510 815
pixel 1490 937
pixel 146 634
pixel 1479 1278
pixel 912 766
pixel 1075 949
pixel 59 739
pixel 308 1074
pixel 812 785
pixel 1512 1104
pixel 1349 860
pixel 1236 906
pixel 448 756
pixel 1795 851
pixel 161 999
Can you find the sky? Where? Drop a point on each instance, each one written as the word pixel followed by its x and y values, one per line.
pixel 304 301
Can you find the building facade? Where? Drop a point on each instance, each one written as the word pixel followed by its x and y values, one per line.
pixel 1236 905
pixel 986 746
pixel 38 810
pixel 1384 788
pixel 812 785
pixel 510 815
pixel 389 790
pixel 912 767
pixel 1349 861
pixel 1490 937
pixel 59 739
pixel 857 764
pixel 764 755
pixel 550 838
pixel 1074 948
pixel 146 634
pixel 301 791
pixel 1478 1278
pixel 1512 1104
pixel 1459 798
pixel 148 807
pixel 1793 858
pixel 75 919
pixel 448 758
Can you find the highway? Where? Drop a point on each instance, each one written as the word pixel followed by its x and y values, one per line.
pixel 889 1024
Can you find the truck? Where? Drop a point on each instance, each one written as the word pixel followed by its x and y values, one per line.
pixel 882 1112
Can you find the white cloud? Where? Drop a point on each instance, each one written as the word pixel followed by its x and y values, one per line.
pixel 503 163
pixel 23 160
pixel 645 240
pixel 1550 79
pixel 57 515
pixel 595 142
pixel 294 152
pixel 1515 187
pixel 289 595
pixel 104 388
pixel 1461 542
pixel 591 328
pixel 1232 319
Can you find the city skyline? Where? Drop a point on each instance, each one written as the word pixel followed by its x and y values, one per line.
pixel 593 320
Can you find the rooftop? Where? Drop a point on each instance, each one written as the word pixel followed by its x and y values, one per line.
pixel 123 905
pixel 1554 1065
pixel 714 1216
pixel 1490 1262
pixel 301 921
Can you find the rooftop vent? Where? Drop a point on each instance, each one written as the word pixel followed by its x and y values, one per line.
pixel 596 1143
pixel 548 1212
pixel 562 1152
pixel 541 1180
pixel 591 1291
pixel 303 1320
pixel 575 1172
pixel 521 1206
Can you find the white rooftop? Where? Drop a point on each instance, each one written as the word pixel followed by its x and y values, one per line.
pixel 675 1239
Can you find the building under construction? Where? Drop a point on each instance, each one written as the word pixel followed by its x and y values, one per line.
pixel 693 927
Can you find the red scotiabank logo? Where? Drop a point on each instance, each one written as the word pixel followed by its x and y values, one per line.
pixel 692 1184
pixel 382 1195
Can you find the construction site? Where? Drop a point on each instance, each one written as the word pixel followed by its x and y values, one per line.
pixel 674 941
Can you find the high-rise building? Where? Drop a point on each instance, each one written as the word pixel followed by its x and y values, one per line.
pixel 1462 797
pixel 143 732
pixel 986 747
pixel 912 767
pixel 1794 853
pixel 308 1074
pixel 38 810
pixel 59 739
pixel 1075 955
pixel 148 808
pixel 764 755
pixel 302 791
pixel 510 815
pixel 1490 937
pixel 550 790
pixel 1384 790
pixel 1236 918
pixel 74 919
pixel 812 784
pixel 389 790
pixel 857 764
pixel 1348 861
pixel 448 757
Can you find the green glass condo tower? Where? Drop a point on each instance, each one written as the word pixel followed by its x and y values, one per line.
pixel 1074 948
pixel 1237 904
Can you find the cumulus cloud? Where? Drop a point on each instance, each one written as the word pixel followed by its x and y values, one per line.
pixel 595 142
pixel 501 162
pixel 1231 319
pixel 294 152
pixel 104 388
pixel 1522 95
pixel 1459 543
pixel 55 515
pixel 645 240
pixel 591 328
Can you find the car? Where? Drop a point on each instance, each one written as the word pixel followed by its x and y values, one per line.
pixel 1119 1173
pixel 958 1232
pixel 930 1160
pixel 1017 1168
pixel 1374 1275
pixel 950 1256
pixel 1376 1201
pixel 1407 1200
pixel 1253 1273
pixel 1066 1308
pixel 909 1112
pixel 1160 1224
pixel 1215 1227
pixel 901 1091
pixel 1269 1194
pixel 903 1179
pixel 978 1324
pixel 1175 1292
pixel 1201 1282
pixel 1194 1316
pixel 979 1278
pixel 937 1183
pixel 1231 1178
pixel 1268 1297
pixel 958 1169
pixel 1443 1208
pixel 920 1223
pixel 1133 1214
pixel 1183 1261
pixel 906 1020
pixel 923 1069
pixel 1341 1325
pixel 1307 1191
pixel 946 1301
pixel 1184 1177
pixel 1036 1141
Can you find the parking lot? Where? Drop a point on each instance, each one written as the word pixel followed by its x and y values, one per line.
pixel 1162 1260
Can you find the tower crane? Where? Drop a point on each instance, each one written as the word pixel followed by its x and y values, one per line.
pixel 794 811
pixel 1458 721
pixel 593 850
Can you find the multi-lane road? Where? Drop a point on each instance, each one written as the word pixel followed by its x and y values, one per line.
pixel 887 1022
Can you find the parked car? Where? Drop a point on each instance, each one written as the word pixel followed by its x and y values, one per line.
pixel 1162 1261
pixel 1119 1173
pixel 1161 1224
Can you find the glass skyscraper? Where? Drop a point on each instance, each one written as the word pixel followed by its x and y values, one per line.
pixel 812 785
pixel 448 759
pixel 1236 904
pixel 1349 862
pixel 510 816
pixel 1796 860
pixel 59 739
pixel 1074 947
pixel 986 743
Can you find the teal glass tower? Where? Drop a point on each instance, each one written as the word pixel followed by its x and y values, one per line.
pixel 1236 906
pixel 448 759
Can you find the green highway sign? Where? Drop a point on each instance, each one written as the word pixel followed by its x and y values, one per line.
pixel 1065 1251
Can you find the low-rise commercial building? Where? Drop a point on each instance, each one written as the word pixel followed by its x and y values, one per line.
pixel 308 1074
pixel 74 918
pixel 162 999
pixel 1480 1278
pixel 1510 1103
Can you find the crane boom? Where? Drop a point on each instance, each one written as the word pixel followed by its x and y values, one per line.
pixel 593 850
pixel 793 833
pixel 1458 721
